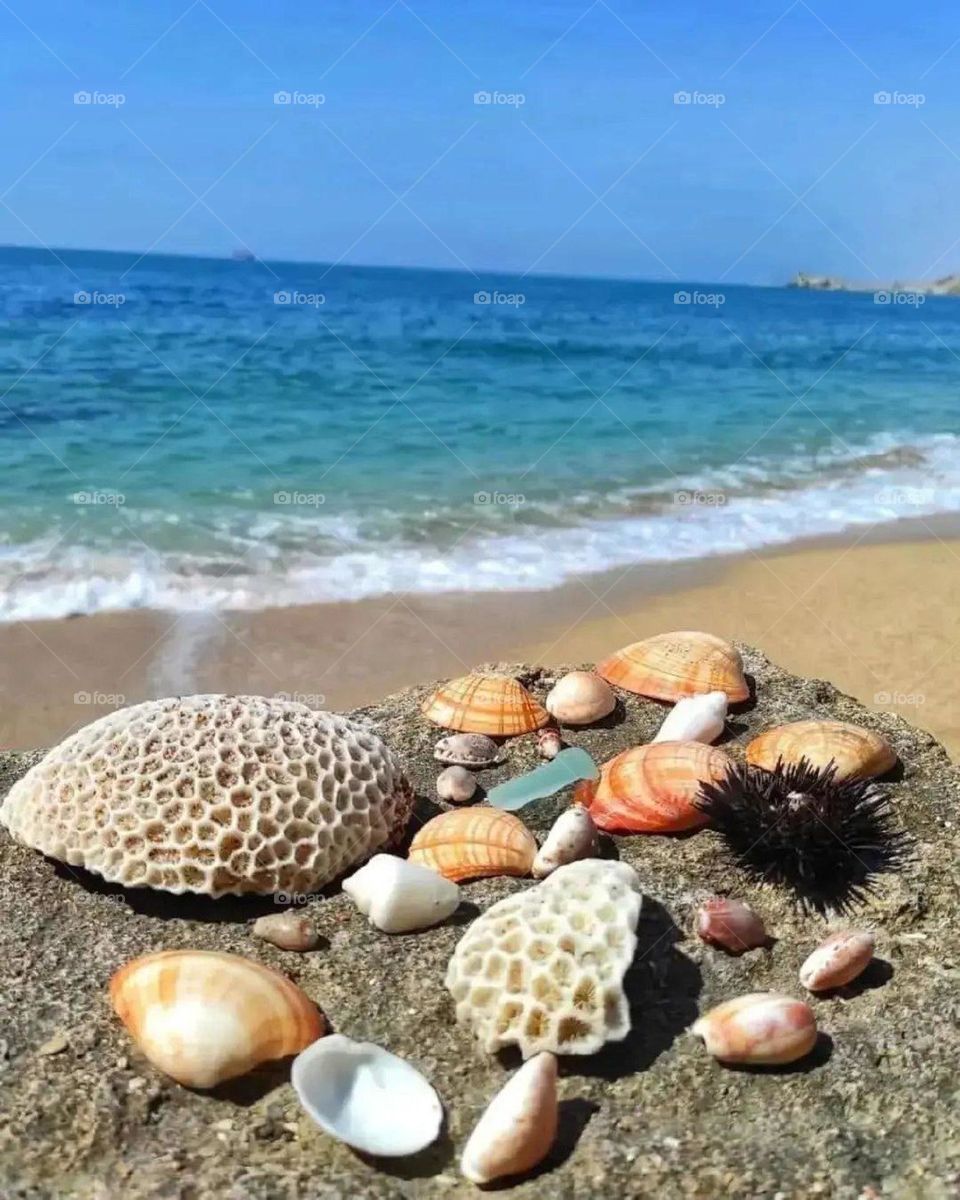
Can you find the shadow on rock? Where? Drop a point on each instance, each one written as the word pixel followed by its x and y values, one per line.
pixel 429 1162
pixel 818 1057
pixel 877 975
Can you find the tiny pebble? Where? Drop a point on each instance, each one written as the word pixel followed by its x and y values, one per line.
pixel 55 1045
pixel 137 1084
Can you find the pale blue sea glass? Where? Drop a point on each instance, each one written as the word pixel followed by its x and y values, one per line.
pixel 568 767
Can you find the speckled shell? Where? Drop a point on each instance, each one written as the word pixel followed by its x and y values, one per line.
pixel 671 666
pixel 470 843
pixel 467 750
pixel 651 789
pixel 492 704
pixel 858 753
pixel 838 960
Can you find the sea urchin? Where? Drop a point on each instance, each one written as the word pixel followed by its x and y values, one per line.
pixel 802 828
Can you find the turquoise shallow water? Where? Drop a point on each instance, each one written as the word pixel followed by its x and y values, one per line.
pixel 187 432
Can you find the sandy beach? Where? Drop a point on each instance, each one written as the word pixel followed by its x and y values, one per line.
pixel 870 611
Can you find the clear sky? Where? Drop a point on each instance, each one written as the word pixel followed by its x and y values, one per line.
pixel 597 171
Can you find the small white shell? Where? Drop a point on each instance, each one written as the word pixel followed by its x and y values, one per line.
pixel 839 960
pixel 695 719
pixel 761 1028
pixel 572 837
pixel 367 1097
pixel 581 698
pixel 456 784
pixel 549 743
pixel 519 1125
pixel 398 896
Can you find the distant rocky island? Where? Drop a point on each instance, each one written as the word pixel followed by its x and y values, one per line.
pixel 949 285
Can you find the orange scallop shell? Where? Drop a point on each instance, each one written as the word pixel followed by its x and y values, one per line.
pixel 469 843
pixel 858 753
pixel 492 704
pixel 651 789
pixel 671 666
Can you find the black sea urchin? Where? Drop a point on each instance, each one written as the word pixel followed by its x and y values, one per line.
pixel 802 828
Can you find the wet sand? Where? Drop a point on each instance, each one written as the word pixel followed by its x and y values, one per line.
pixel 873 611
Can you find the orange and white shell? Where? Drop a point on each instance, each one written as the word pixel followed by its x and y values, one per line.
pixel 731 925
pixel 203 1017
pixel 492 704
pixel 519 1125
pixel 671 666
pixel 838 961
pixel 470 843
pixel 651 789
pixel 761 1028
pixel 858 753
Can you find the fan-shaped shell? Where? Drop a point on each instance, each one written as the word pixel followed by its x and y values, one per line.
pixel 858 753
pixel 492 704
pixel 469 843
pixel 203 1017
pixel 651 789
pixel 671 666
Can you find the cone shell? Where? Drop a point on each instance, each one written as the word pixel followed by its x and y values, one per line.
pixel 519 1126
pixel 469 843
pixel 671 666
pixel 492 704
pixel 202 1017
pixel 651 789
pixel 761 1028
pixel 838 961
pixel 858 753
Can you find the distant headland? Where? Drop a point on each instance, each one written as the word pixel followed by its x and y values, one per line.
pixel 949 285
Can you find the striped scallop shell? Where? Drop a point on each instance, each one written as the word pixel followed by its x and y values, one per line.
pixel 203 1017
pixel 858 753
pixel 651 789
pixel 671 666
pixel 492 704
pixel 469 843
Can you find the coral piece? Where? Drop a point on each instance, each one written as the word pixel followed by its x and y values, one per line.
pixel 399 896
pixel 213 794
pixel 581 698
pixel 492 704
pixel 543 969
pixel 568 767
pixel 858 753
pixel 673 665
pixel 518 1127
pixel 469 843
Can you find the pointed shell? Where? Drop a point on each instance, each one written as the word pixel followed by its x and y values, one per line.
pixel 673 665
pixel 838 961
pixel 203 1017
pixel 519 1125
pixel 367 1097
pixel 858 753
pixel 492 704
pixel 651 789
pixel 731 925
pixel 581 698
pixel 761 1028
pixel 573 836
pixel 695 719
pixel 399 896
pixel 467 750
pixel 288 930
pixel 469 843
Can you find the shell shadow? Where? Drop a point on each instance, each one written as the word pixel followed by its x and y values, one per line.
pixel 877 975
pixel 821 1054
pixel 247 1090
pixel 748 705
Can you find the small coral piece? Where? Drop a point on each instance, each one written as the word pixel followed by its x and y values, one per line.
pixel 543 969
pixel 213 794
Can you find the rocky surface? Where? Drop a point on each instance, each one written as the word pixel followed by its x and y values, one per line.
pixel 875 1112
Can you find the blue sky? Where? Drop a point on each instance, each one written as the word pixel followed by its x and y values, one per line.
pixel 798 167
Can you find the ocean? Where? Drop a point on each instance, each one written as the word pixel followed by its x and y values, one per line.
pixel 187 433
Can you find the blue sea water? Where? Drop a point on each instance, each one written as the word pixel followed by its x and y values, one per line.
pixel 184 432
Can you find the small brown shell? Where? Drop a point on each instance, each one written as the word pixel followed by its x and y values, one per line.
pixel 858 753
pixel 761 1028
pixel 671 666
pixel 492 704
pixel 288 930
pixel 731 925
pixel 470 843
pixel 838 961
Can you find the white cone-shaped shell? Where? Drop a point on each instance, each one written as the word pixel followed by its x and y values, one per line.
pixel 519 1126
pixel 695 719
pixel 367 1097
pixel 398 896
pixel 573 836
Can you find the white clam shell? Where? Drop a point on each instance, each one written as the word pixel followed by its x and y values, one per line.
pixel 580 698
pixel 695 719
pixel 398 896
pixel 572 837
pixel 838 961
pixel 367 1097
pixel 519 1125
pixel 456 784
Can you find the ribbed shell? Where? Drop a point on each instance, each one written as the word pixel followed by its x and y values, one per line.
pixel 469 843
pixel 671 666
pixel 651 789
pixel 492 704
pixel 858 753
pixel 203 1017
